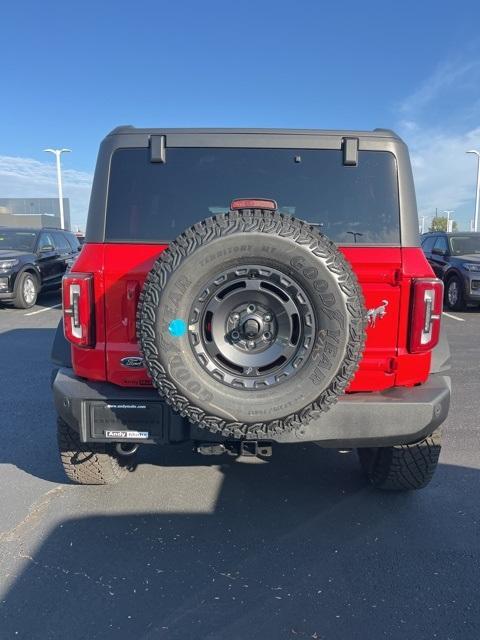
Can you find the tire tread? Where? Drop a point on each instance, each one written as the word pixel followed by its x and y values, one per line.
pixel 402 467
pixel 86 463
pixel 226 224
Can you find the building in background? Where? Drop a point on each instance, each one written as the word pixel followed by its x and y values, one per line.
pixel 33 212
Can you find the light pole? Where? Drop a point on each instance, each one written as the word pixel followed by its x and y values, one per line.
pixel 422 223
pixel 57 153
pixel 448 219
pixel 477 198
pixel 355 234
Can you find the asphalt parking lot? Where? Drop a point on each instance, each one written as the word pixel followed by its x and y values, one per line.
pixel 195 548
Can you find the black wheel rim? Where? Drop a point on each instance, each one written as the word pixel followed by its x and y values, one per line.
pixel 252 327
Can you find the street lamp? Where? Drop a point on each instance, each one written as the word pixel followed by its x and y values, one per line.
pixel 477 153
pixel 448 219
pixel 355 234
pixel 57 153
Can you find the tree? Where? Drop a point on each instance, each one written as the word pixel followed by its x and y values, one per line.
pixel 440 224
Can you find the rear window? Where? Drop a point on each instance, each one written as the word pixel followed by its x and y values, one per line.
pixel 154 202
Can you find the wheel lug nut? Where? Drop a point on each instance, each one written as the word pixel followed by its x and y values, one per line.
pixel 267 317
pixel 235 336
pixel 267 335
pixel 235 317
pixel 251 308
pixel 251 344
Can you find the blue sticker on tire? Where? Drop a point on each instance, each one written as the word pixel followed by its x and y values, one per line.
pixel 177 328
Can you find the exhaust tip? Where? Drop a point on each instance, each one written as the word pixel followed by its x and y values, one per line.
pixel 126 448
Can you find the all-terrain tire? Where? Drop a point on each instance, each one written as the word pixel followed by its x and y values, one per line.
pixel 87 463
pixel 204 253
pixel 402 467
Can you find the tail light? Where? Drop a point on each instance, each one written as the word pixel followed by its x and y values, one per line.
pixel 426 314
pixel 78 309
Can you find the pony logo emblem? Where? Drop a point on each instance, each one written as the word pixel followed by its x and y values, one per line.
pixel 377 312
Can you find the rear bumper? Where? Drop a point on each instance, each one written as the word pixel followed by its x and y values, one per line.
pixel 102 412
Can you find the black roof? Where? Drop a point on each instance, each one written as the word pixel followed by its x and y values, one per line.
pixel 33 229
pixel 375 133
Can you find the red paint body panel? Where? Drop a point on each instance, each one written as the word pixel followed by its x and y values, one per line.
pixel 126 267
pixel 384 273
pixel 378 271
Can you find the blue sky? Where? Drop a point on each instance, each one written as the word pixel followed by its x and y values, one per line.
pixel 72 71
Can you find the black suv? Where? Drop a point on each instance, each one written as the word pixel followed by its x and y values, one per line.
pixel 32 260
pixel 455 258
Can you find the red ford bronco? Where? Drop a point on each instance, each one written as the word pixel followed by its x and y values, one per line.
pixel 243 289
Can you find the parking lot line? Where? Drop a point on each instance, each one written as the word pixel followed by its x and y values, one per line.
pixel 32 313
pixel 449 315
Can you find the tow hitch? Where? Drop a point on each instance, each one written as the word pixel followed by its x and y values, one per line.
pixel 247 448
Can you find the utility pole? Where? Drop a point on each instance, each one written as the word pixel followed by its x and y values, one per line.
pixel 477 197
pixel 57 153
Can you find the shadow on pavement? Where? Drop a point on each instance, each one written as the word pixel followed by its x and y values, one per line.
pixel 27 416
pixel 296 548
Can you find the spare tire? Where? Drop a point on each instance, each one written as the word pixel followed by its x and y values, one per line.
pixel 251 323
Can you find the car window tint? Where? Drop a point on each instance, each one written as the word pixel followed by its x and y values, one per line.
pixel 465 244
pixel 154 202
pixel 45 240
pixel 72 241
pixel 427 244
pixel 17 239
pixel 441 243
pixel 61 243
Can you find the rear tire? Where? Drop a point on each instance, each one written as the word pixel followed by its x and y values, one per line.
pixel 27 291
pixel 454 295
pixel 402 467
pixel 87 463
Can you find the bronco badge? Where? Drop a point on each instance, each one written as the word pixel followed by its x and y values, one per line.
pixel 377 312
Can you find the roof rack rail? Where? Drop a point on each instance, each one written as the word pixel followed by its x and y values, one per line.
pixel 382 130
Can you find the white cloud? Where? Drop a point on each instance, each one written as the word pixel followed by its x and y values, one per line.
pixel 444 174
pixel 451 75
pixel 440 121
pixel 29 178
